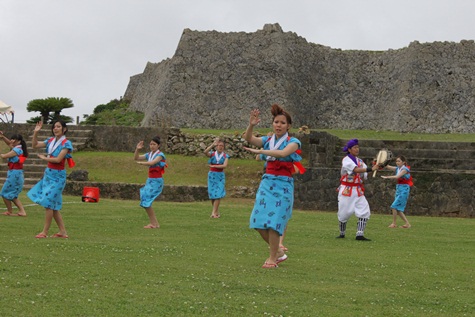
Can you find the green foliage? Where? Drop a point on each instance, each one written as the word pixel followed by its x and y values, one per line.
pixel 116 112
pixel 49 109
pixel 197 266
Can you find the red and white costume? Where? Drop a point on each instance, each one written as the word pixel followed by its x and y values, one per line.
pixel 351 199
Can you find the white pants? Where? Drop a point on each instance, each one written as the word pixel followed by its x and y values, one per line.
pixel 349 205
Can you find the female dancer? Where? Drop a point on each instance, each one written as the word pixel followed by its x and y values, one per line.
pixel 155 160
pixel 275 196
pixel 218 161
pixel 15 179
pixel 48 192
pixel 403 187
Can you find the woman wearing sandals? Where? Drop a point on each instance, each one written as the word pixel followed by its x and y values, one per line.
pixel 15 179
pixel 275 196
pixel 48 192
pixel 218 161
pixel 155 160
pixel 403 188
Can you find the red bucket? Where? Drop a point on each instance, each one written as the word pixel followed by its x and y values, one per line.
pixel 90 195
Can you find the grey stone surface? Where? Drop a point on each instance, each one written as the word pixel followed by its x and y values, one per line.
pixel 215 78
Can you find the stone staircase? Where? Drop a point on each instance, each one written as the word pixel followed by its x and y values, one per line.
pixel 34 167
pixel 421 155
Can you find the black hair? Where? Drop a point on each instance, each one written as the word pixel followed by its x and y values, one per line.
pixel 63 124
pixel 156 139
pixel 402 158
pixel 24 147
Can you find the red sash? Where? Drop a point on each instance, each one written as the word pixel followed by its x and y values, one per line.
pixel 15 166
pixel 405 181
pixel 280 168
pixel 214 169
pixel 155 172
pixel 56 166
pixel 296 168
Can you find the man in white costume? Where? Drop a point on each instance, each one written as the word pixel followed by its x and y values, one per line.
pixel 351 199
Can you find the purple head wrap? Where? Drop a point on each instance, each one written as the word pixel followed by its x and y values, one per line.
pixel 350 144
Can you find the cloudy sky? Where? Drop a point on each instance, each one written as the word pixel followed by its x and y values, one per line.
pixel 86 50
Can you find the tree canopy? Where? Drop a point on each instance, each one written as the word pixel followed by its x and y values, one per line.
pixel 50 109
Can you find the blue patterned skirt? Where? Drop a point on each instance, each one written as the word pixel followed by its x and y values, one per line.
pixel 152 189
pixel 402 195
pixel 216 185
pixel 48 192
pixel 13 184
pixel 274 203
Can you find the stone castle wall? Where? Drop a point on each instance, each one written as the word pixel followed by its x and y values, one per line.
pixel 214 79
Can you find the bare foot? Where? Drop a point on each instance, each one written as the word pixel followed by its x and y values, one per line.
pixel 7 213
pixel 406 226
pixel 393 225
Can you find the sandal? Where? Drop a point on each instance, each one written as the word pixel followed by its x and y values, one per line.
pixel 392 226
pixel 59 235
pixel 41 236
pixel 406 226
pixel 269 265
pixel 7 213
pixel 282 258
pixel 151 227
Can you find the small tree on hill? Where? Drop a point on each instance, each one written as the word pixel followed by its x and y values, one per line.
pixel 49 109
pixel 115 112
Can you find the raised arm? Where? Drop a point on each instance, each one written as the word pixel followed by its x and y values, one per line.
pixel 137 156
pixel 206 151
pixel 5 139
pixel 253 121
pixel 34 143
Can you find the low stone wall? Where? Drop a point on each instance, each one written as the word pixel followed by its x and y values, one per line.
pixel 433 193
pixel 132 191
pixel 170 192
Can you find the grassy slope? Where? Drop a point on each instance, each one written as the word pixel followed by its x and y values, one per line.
pixel 184 170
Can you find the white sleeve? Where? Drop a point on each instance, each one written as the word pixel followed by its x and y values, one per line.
pixel 347 165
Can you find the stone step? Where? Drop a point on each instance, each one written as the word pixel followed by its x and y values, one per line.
pixel 411 154
pixel 423 164
pixel 34 167
pixel 407 145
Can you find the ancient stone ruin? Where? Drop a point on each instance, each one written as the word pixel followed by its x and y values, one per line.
pixel 215 78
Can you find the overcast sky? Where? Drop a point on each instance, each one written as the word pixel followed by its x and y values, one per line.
pixel 86 50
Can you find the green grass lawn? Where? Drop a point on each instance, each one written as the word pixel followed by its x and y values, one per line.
pixel 182 170
pixel 197 266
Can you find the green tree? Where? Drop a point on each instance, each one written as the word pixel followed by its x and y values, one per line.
pixel 50 109
pixel 115 112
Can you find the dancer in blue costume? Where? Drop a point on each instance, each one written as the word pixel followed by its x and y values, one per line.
pixel 48 192
pixel 156 162
pixel 275 196
pixel 218 161
pixel 15 179
pixel 403 188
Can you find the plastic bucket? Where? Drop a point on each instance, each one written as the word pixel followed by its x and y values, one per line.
pixel 90 194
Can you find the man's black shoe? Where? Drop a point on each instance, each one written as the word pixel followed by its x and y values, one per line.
pixel 362 238
pixel 341 236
